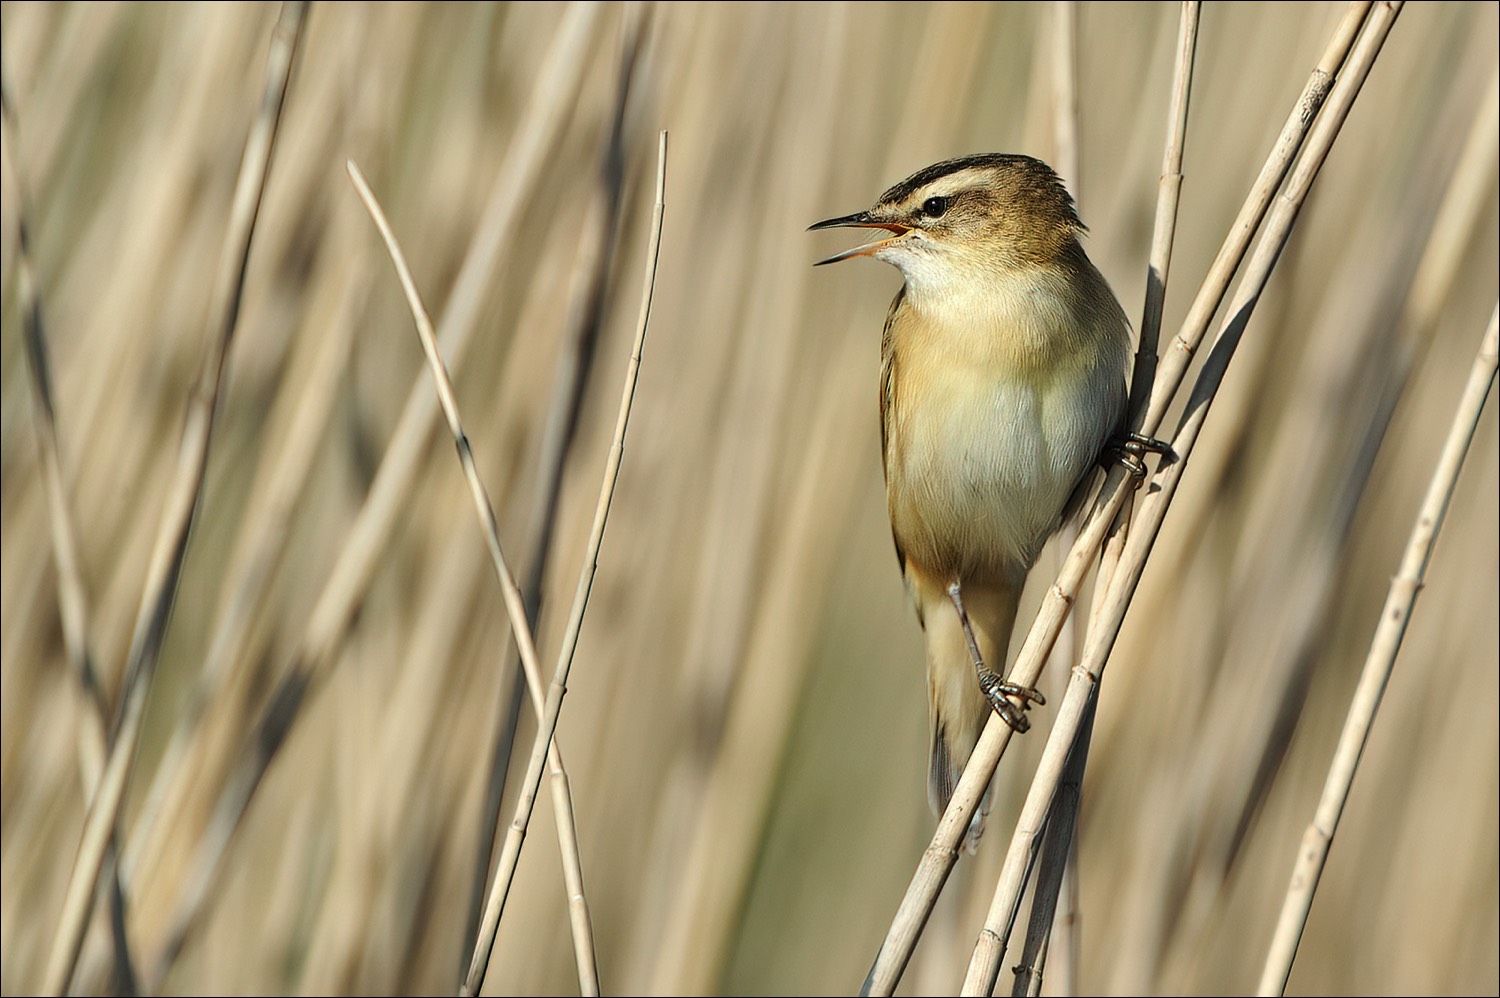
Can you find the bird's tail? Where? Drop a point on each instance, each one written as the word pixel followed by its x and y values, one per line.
pixel 958 709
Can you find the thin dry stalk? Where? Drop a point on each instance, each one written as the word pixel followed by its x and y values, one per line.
pixel 1058 868
pixel 939 857
pixel 557 88
pixel 537 133
pixel 72 597
pixel 585 318
pixel 181 502
pixel 579 919
pixel 1362 377
pixel 1312 856
pixel 1056 857
pixel 516 835
pixel 1211 294
pixel 1064 42
pixel 1065 651
pixel 1062 819
pixel 984 968
pixel 515 606
pixel 1168 196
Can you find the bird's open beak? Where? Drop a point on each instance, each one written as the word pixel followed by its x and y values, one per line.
pixel 859 220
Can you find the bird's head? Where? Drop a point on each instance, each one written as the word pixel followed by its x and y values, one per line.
pixel 967 217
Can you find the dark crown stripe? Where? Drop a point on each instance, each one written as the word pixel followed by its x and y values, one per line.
pixel 1047 182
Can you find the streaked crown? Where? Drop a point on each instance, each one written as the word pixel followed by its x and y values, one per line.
pixel 999 207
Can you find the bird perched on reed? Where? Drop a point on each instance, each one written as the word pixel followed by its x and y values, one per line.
pixel 1004 368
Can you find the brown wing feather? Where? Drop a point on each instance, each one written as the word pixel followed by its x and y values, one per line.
pixel 887 408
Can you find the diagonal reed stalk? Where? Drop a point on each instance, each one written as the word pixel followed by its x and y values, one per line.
pixel 984 967
pixel 72 595
pixel 515 605
pixel 938 859
pixel 516 834
pixel 1059 847
pixel 1312 855
pixel 585 319
pixel 537 133
pixel 183 497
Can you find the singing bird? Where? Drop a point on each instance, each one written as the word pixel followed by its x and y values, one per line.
pixel 1004 367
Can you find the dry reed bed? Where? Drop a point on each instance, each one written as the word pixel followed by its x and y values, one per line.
pixel 744 718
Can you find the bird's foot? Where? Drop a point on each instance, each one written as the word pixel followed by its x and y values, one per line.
pixel 1130 450
pixel 1008 699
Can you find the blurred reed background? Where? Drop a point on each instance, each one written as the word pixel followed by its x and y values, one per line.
pixel 746 725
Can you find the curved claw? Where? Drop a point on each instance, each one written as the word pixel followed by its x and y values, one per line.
pixel 1129 449
pixel 1009 700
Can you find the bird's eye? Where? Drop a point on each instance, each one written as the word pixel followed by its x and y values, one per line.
pixel 935 207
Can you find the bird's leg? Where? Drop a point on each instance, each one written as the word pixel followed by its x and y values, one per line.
pixel 1009 700
pixel 1129 449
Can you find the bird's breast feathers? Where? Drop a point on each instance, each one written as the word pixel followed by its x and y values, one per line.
pixel 990 422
